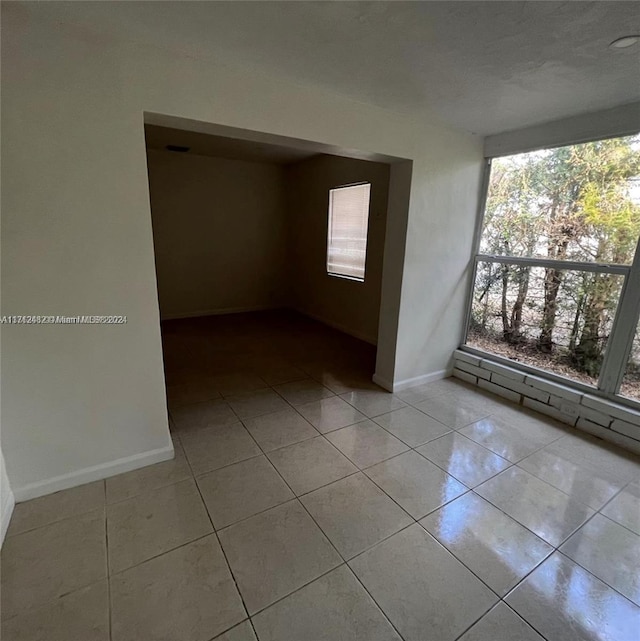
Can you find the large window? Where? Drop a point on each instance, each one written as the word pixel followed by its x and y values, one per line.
pixel 347 237
pixel 557 275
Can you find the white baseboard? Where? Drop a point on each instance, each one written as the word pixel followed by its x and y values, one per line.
pixel 5 515
pixel 398 386
pixel 338 326
pixel 383 382
pixel 220 312
pixel 95 473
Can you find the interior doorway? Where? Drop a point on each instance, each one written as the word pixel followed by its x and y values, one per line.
pixel 242 235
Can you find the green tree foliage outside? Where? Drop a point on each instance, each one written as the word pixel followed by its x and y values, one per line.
pixel 579 203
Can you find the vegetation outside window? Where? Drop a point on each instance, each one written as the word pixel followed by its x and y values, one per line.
pixel 556 284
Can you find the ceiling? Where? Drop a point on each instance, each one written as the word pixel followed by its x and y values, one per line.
pixel 485 67
pixel 222 147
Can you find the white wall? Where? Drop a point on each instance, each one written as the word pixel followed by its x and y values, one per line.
pixel 81 401
pixel 219 230
pixel 348 305
pixel 6 499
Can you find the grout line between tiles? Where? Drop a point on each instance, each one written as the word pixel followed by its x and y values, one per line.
pixel 484 614
pixel 224 554
pixel 546 558
pixel 384 614
pixel 344 562
pixel 477 575
pixel 525 620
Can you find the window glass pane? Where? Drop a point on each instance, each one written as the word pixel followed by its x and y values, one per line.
pixel 347 238
pixel 631 382
pixel 580 202
pixel 557 320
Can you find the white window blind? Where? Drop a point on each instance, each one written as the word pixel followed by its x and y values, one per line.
pixel 348 223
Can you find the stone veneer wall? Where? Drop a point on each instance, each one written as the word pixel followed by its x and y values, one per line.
pixel 598 416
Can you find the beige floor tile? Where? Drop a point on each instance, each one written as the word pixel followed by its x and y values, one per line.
pixel 416 484
pixel 511 438
pixel 330 414
pixel 54 558
pixel 411 426
pixel 279 429
pixel 463 392
pixel 155 522
pixel 597 453
pixel 56 507
pixel 241 490
pixel 242 632
pixel 418 393
pixel 44 564
pixel 373 402
pixel 304 391
pixel 197 390
pixel 610 552
pixel 256 403
pixel 211 448
pixel 565 602
pixel 279 373
pixel 276 552
pixel 546 511
pixel 501 623
pixel 334 607
pixel 355 514
pixel 420 586
pixel 492 545
pixel 346 381
pixel 237 383
pixel 187 595
pixel 586 484
pixel 366 443
pixel 208 414
pixel 464 459
pixel 310 464
pixel 82 615
pixel 130 484
pixel 625 508
pixel 454 411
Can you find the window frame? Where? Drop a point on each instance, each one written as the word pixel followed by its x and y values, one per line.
pixel 331 274
pixel 625 323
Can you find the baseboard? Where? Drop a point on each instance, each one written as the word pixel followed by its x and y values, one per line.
pixel 398 386
pixel 383 382
pixel 220 312
pixel 89 474
pixel 341 328
pixel 5 516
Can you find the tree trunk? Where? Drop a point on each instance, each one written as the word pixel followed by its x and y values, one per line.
pixel 506 327
pixel 576 324
pixel 516 313
pixel 552 281
pixel 590 349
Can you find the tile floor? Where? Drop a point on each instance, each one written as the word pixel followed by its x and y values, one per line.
pixel 306 504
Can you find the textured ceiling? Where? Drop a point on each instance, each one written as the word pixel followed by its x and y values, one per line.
pixel 486 67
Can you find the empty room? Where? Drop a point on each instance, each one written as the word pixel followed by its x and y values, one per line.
pixel 320 321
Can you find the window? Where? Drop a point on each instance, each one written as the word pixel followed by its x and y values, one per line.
pixel 557 276
pixel 631 381
pixel 347 237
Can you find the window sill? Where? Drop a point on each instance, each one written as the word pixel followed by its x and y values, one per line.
pixel 343 277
